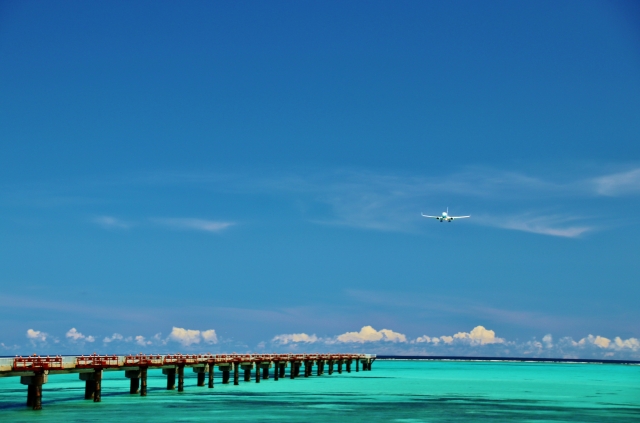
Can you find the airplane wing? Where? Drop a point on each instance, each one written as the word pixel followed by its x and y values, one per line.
pixel 458 217
pixel 435 217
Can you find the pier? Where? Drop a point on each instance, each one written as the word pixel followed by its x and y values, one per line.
pixel 34 371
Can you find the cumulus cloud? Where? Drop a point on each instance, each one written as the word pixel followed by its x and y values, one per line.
pixel 114 337
pixel 74 336
pixel 295 338
pixel 618 183
pixel 141 340
pixel 632 344
pixel 187 337
pixel 479 335
pixel 36 335
pixel 111 222
pixel 209 336
pixel 369 334
pixel 194 224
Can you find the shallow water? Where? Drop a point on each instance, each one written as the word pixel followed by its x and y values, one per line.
pixel 395 391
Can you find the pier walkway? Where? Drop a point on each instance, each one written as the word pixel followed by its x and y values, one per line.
pixel 35 370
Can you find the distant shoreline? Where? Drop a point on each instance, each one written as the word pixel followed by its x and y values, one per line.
pixel 513 359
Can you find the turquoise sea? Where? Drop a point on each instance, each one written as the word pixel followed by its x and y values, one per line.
pixel 394 391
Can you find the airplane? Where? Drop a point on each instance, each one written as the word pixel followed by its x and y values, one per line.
pixel 445 216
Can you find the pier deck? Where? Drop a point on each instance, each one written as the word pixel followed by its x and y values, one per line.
pixel 35 370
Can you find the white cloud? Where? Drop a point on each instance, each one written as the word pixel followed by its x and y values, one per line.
pixel 194 224
pixel 74 336
pixel 618 183
pixel 140 340
pixel 111 222
pixel 479 335
pixel 547 340
pixel 209 336
pixel 369 334
pixel 188 337
pixel 114 337
pixel 632 344
pixel 554 225
pixel 295 338
pixel 36 335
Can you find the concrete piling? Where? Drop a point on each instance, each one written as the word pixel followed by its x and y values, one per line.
pixel 225 375
pixel 211 367
pixel 265 371
pixel 276 370
pixel 201 377
pixel 292 370
pixel 37 392
pixel 348 365
pixel 357 365
pixel 171 377
pixel 180 377
pixel 340 366
pixel 97 376
pixel 134 386
pixel 330 367
pixel 134 380
pixel 143 381
pixel 282 368
pixel 31 395
pixel 320 370
pixel 257 372
pixel 236 373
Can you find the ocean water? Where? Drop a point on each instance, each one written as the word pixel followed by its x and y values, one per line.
pixel 394 391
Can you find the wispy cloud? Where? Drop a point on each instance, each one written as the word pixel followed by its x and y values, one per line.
pixel 193 224
pixel 553 225
pixel 110 222
pixel 617 184
pixel 293 338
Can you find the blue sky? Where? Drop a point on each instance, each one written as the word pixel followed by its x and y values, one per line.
pixel 258 169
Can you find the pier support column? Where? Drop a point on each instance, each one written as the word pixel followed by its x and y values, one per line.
pixel 171 377
pixel 38 380
pixel 292 370
pixel 134 386
pixel 211 367
pixel 276 370
pixel 97 396
pixel 340 366
pixel 143 382
pixel 226 374
pixel 348 364
pixel 89 384
pixel 257 372
pixel 180 377
pixel 31 395
pixel 307 368
pixel 247 371
pixel 34 389
pixel 134 377
pixel 200 375
pixel 298 366
pixel 330 367
pixel 236 373
pixel 357 365
pixel 265 371
pixel 282 368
